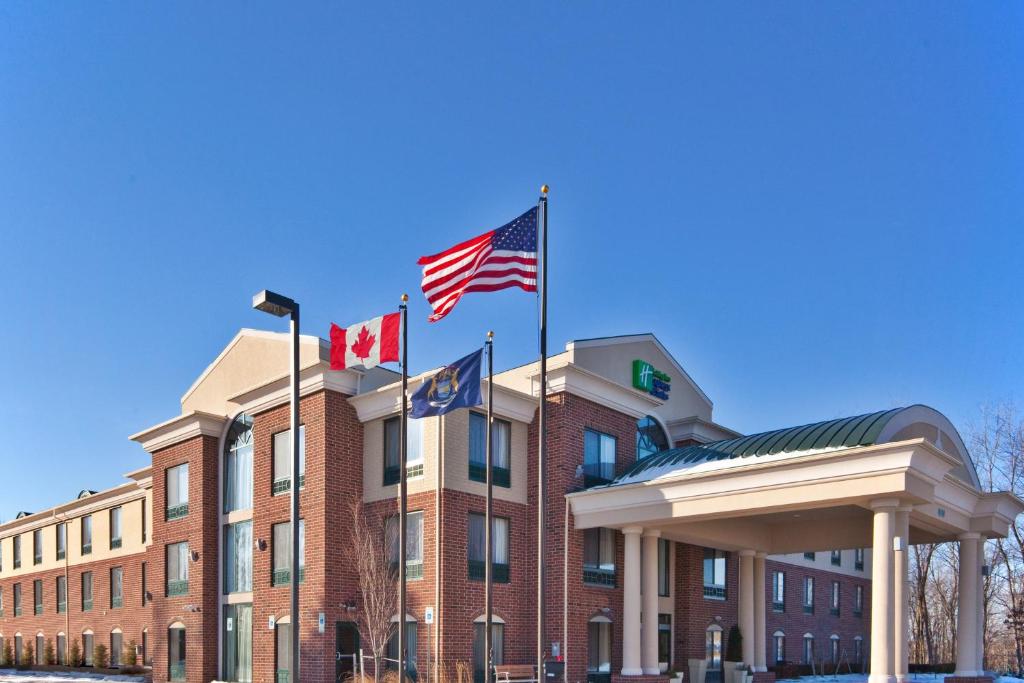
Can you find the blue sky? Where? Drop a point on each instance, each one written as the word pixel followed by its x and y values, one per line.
pixel 815 206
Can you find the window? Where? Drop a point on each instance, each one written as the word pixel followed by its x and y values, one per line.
pixel 497 647
pixel 116 587
pixel 283 461
pixel 650 438
pixel 664 568
pixel 837 558
pixel 37 596
pixel 237 639
pixel 499 547
pixel 410 648
pixel 86 591
pixel 145 589
pixel 87 535
pixel 282 651
pixel 115 528
pixel 779 591
pixel 282 551
pixel 40 648
pixel 599 649
pixel 834 649
pixel 238 465
pixel 779 646
pixel 62 540
pixel 501 449
pixel 834 605
pixel 858 559
pixel 17 647
pixel 17 552
pixel 808 648
pixel 413 543
pixel 87 647
pixel 62 594
pixel 37 546
pixel 1 610
pixel 238 558
pixel 664 641
pixel 17 599
pixel 598 458
pixel 809 556
pixel 393 449
pixel 713 647
pixel 808 595
pixel 858 651
pixel 62 649
pixel 177 569
pixel 116 648
pixel 177 491
pixel 175 652
pixel 143 520
pixel 714 574
pixel 599 557
pixel 858 601
pixel 1 555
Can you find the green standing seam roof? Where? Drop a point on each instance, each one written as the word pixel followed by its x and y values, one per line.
pixel 846 432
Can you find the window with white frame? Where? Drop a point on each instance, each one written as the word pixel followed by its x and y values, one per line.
pixel 413 543
pixel 238 557
pixel 393 449
pixel 238 453
pixel 714 573
pixel 808 648
pixel 282 553
pixel 599 557
pixel 779 591
pixel 176 561
pixel 834 602
pixel 282 474
pixel 177 491
pixel 599 645
pixel 115 528
pixel 808 595
pixel 779 646
pixel 499 548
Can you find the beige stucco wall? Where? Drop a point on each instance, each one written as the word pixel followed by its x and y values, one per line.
pixel 823 561
pixel 456 459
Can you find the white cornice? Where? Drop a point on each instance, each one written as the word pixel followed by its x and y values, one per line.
pixel 278 392
pixel 575 380
pixel 101 500
pixel 178 429
pixel 386 400
pixel 699 429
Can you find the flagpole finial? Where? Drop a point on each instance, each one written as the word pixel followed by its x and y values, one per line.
pixel 490 335
pixel 543 189
pixel 405 298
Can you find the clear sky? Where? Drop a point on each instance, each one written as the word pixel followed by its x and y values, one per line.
pixel 816 206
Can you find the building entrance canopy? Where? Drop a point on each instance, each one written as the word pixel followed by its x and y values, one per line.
pixel 882 480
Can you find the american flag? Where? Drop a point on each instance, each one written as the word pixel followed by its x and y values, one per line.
pixel 502 258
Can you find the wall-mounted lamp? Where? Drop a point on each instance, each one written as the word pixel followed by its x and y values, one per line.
pixel 261 544
pixel 195 556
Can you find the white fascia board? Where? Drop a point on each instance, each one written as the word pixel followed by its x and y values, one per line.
pixel 178 429
pixel 101 500
pixel 575 380
pixel 700 430
pixel 278 391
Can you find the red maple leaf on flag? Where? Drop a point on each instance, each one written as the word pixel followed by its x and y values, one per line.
pixel 364 344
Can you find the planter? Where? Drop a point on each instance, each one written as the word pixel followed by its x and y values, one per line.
pixel 678 679
pixel 738 676
pixel 698 670
pixel 729 672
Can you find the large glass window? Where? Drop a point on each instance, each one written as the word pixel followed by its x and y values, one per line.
pixel 62 594
pixel 238 465
pixel 283 460
pixel 282 652
pixel 497 648
pixel 413 543
pixel 62 649
pixel 713 647
pixel 779 646
pixel 715 565
pixel 62 540
pixel 282 552
pixel 37 596
pixel 410 649
pixel 177 491
pixel 664 568
pixel 37 546
pixel 808 595
pixel 599 557
pixel 779 591
pixel 237 637
pixel 650 438
pixel 599 650
pixel 40 648
pixel 598 458
pixel 834 649
pixel 17 552
pixel 116 648
pixel 115 528
pixel 393 449
pixel 238 557
pixel 86 534
pixel 664 641
pixel 176 653
pixel 116 587
pixel 86 591
pixel 177 569
pixel 499 547
pixel 88 647
pixel 808 648
pixel 501 449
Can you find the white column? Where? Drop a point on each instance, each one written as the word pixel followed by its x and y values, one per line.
pixel 649 640
pixel 967 615
pixel 760 625
pixel 901 595
pixel 631 603
pixel 883 669
pixel 747 604
pixel 981 604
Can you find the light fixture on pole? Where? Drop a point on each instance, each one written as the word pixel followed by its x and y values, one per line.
pixel 280 306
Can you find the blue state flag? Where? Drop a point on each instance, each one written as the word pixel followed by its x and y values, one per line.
pixel 455 386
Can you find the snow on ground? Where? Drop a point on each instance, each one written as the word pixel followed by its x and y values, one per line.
pixel 12 676
pixel 863 678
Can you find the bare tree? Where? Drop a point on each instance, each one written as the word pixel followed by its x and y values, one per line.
pixel 923 640
pixel 377 582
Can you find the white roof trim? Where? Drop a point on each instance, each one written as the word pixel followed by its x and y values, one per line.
pixel 495 619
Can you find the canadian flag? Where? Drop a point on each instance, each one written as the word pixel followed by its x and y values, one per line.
pixel 367 344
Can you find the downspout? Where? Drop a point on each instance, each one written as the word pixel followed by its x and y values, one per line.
pixel 438 526
pixel 565 595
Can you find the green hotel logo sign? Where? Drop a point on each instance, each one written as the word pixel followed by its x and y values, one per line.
pixel 654 382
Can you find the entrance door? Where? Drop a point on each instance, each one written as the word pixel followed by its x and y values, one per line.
pixel 346 644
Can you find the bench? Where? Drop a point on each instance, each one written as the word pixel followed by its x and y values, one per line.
pixel 514 673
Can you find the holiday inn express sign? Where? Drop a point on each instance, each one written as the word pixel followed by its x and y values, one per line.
pixel 654 382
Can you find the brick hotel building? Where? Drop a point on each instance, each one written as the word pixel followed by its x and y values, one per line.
pixel 664 528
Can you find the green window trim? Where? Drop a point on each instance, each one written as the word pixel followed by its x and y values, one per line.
pixel 62 607
pixel 413 569
pixel 501 476
pixel 175 588
pixel 176 672
pixel 86 604
pixel 283 676
pixel 283 577
pixel 392 474
pixel 177 512
pixel 284 485
pixel 478 570
pixel 115 543
pixel 38 610
pixel 593 576
pixel 715 592
pixel 60 554
pixel 87 548
pixel 116 602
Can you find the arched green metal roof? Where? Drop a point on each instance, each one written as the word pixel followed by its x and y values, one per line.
pixel 846 432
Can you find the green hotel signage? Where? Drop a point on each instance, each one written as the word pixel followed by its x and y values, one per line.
pixel 654 382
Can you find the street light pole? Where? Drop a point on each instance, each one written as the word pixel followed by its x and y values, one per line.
pixel 278 305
